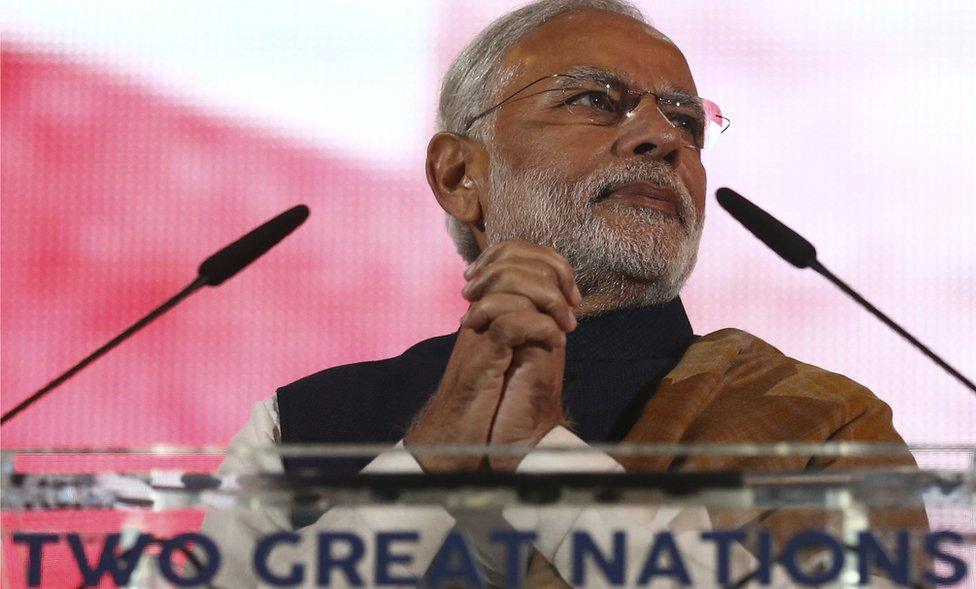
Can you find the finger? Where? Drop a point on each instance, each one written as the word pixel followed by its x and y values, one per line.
pixel 548 256
pixel 488 256
pixel 529 251
pixel 535 282
pixel 526 327
pixel 510 250
pixel 488 308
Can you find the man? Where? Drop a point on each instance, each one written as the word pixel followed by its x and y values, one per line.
pixel 569 163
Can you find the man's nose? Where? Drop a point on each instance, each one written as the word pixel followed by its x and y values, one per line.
pixel 646 132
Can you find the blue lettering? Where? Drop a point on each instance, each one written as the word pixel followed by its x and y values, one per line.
pixel 869 551
pixel 933 549
pixel 764 554
pixel 513 541
pixel 347 563
pixel 614 570
pixel 807 539
pixel 723 548
pixel 263 550
pixel 664 542
pixel 108 560
pixel 453 562
pixel 385 557
pixel 35 546
pixel 207 570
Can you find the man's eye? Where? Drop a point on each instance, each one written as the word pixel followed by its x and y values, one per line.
pixel 593 100
pixel 686 123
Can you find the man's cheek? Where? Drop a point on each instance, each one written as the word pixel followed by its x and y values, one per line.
pixel 571 158
pixel 695 181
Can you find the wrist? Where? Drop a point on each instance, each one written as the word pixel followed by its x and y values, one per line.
pixel 509 462
pixel 425 437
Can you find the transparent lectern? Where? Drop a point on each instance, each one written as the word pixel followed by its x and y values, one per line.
pixel 844 515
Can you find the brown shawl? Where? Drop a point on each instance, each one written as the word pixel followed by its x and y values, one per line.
pixel 732 387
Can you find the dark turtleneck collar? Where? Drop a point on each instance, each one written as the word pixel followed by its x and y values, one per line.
pixel 631 334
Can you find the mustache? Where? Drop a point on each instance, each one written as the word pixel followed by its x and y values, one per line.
pixel 654 173
pixel 602 183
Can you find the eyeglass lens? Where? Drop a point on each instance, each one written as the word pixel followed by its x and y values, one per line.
pixel 698 120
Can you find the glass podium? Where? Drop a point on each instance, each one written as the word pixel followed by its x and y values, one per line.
pixel 785 515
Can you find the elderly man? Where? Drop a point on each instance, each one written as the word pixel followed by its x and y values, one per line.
pixel 569 163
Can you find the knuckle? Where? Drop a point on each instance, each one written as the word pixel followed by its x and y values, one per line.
pixel 551 325
pixel 502 331
pixel 506 248
pixel 530 320
pixel 479 307
pixel 515 302
pixel 525 303
pixel 547 272
pixel 496 303
pixel 561 265
pixel 549 330
pixel 491 249
pixel 566 268
pixel 500 325
pixel 499 269
pixel 496 332
pixel 551 300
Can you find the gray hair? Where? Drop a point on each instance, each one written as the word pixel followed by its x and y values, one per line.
pixel 475 78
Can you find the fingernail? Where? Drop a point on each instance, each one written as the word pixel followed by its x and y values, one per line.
pixel 469 271
pixel 464 318
pixel 577 295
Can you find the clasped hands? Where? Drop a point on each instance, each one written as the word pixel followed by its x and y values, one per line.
pixel 503 382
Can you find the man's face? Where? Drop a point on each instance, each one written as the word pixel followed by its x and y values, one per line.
pixel 624 203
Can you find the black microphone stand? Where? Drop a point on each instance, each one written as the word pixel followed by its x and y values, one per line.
pixel 212 272
pixel 796 250
pixel 823 271
pixel 200 282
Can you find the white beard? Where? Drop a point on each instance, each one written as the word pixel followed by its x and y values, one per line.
pixel 629 256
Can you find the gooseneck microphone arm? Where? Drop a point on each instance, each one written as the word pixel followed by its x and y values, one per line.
pixel 820 269
pixel 798 251
pixel 212 272
pixel 192 288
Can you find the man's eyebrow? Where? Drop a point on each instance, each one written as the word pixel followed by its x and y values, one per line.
pixel 601 75
pixel 604 75
pixel 683 97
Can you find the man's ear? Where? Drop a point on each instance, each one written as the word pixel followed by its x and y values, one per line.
pixel 457 169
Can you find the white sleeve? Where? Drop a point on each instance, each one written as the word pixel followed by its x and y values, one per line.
pixel 237 531
pixel 639 524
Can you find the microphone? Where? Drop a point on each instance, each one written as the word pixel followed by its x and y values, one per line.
pixel 236 256
pixel 212 272
pixel 798 251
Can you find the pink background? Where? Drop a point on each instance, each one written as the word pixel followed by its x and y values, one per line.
pixel 137 140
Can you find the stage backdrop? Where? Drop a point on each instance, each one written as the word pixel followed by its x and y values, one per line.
pixel 138 137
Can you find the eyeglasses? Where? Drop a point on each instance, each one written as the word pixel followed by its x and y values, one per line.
pixel 576 99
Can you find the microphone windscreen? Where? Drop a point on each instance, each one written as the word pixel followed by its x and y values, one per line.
pixel 236 256
pixel 783 240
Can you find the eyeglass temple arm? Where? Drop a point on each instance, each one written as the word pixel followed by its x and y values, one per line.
pixel 471 121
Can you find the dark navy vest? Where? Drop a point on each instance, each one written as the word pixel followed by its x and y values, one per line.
pixel 613 365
